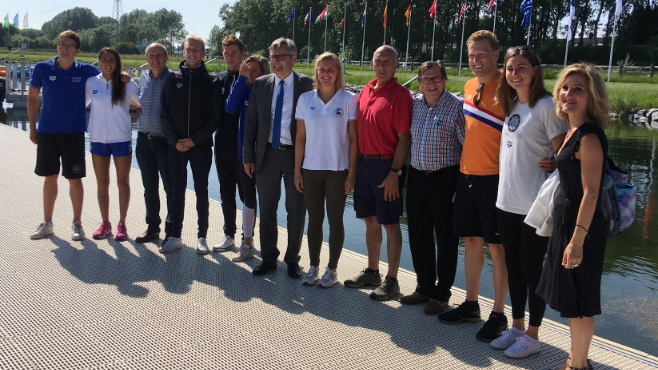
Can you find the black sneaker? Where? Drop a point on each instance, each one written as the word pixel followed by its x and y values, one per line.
pixel 491 329
pixel 386 290
pixel 462 313
pixel 365 277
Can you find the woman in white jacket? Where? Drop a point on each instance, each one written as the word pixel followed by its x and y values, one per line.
pixel 110 134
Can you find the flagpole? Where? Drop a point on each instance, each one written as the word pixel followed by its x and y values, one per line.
pixel 461 47
pixel 529 27
pixel 433 32
pixel 495 16
pixel 344 16
pixel 406 58
pixel 293 27
pixel 385 21
pixel 326 20
pixel 612 47
pixel 566 54
pixel 308 45
pixel 363 43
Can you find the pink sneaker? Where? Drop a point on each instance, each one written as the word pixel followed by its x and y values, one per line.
pixel 103 231
pixel 122 233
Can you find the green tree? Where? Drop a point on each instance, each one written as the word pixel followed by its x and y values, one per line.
pixel 75 19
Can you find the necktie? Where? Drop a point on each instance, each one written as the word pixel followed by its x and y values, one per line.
pixel 276 124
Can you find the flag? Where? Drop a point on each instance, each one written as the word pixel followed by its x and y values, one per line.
pixel 462 12
pixel 323 14
pixel 432 9
pixel 385 14
pixel 526 9
pixel 408 14
pixel 25 21
pixel 572 12
pixel 490 6
pixel 292 15
pixel 6 22
pixel 363 17
pixel 619 8
pixel 16 20
pixel 308 17
pixel 342 23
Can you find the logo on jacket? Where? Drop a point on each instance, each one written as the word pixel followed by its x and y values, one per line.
pixel 338 112
pixel 509 144
pixel 513 123
pixel 179 85
pixel 76 79
pixel 95 91
pixel 223 89
pixel 246 102
pixel 312 108
pixel 53 78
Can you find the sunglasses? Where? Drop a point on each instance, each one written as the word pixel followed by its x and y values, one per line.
pixel 478 94
pixel 521 48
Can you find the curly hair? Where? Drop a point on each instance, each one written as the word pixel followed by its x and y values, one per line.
pixel 598 105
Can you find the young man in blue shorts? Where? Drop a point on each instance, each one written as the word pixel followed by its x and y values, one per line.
pixel 60 135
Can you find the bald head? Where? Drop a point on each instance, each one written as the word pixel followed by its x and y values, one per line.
pixel 156 57
pixel 384 63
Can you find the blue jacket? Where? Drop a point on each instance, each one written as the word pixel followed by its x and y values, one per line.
pixel 238 99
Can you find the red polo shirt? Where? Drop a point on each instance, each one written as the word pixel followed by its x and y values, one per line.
pixel 382 115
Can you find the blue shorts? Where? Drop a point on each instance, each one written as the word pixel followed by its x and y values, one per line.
pixel 369 199
pixel 112 149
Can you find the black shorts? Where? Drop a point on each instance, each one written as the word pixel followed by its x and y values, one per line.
pixel 69 147
pixel 369 198
pixel 474 210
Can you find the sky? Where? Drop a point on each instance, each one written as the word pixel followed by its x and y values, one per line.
pixel 199 15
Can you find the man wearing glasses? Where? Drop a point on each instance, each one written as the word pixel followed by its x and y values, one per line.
pixel 437 135
pixel 189 118
pixel 477 187
pixel 269 152
pixel 61 130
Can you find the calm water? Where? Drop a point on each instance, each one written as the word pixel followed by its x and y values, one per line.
pixel 629 288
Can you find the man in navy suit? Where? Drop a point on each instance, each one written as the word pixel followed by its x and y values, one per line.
pixel 269 153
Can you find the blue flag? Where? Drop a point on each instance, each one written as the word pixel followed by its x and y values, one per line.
pixel 292 15
pixel 16 20
pixel 363 17
pixel 526 10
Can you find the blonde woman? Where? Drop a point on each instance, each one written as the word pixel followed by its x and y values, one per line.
pixel 571 280
pixel 326 152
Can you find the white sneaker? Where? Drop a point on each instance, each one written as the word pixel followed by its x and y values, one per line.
pixel 311 277
pixel 507 338
pixel 171 245
pixel 202 246
pixel 224 245
pixel 523 347
pixel 246 251
pixel 328 279
pixel 77 233
pixel 45 228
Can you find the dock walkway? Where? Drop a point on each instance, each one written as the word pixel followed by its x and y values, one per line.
pixel 103 304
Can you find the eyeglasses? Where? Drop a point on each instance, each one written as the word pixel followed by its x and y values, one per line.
pixel 521 48
pixel 478 93
pixel 427 80
pixel 279 57
pixel 63 46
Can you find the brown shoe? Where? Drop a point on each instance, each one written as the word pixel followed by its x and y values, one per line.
pixel 414 298
pixel 434 307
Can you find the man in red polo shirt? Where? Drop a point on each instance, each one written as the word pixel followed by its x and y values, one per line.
pixel 383 122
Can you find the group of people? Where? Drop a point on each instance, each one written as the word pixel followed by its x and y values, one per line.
pixel 475 168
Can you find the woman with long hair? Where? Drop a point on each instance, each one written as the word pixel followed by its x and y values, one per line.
pixel 326 152
pixel 110 134
pixel 252 68
pixel 571 280
pixel 531 133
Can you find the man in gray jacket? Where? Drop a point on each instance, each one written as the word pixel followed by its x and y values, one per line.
pixel 270 135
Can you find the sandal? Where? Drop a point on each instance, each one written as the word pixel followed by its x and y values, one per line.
pixel 588 367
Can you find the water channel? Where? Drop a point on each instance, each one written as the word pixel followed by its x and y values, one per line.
pixel 629 289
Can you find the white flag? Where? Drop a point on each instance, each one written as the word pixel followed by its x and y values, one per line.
pixel 619 8
pixel 572 12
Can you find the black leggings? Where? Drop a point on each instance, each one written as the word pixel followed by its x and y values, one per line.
pixel 524 257
pixel 318 187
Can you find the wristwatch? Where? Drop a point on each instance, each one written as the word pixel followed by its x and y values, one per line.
pixel 396 171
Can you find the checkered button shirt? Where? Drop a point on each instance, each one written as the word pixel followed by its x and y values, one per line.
pixel 437 132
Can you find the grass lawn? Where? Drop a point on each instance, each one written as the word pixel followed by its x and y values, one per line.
pixel 626 92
